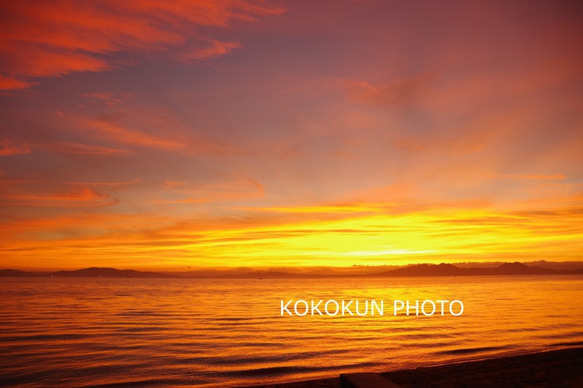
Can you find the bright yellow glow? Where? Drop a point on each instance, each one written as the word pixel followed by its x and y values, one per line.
pixel 374 238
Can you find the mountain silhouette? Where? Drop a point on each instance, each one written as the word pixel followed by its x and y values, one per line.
pixel 110 273
pixel 417 270
pixel 452 270
pixel 426 270
pixel 13 272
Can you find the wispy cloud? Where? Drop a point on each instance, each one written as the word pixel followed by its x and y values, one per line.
pixel 181 201
pixel 110 99
pixel 213 49
pixel 218 192
pixel 541 177
pixel 83 149
pixel 169 184
pixel 400 92
pixel 78 198
pixel 114 184
pixel 12 83
pixel 56 38
pixel 13 147
pixel 324 209
pixel 121 134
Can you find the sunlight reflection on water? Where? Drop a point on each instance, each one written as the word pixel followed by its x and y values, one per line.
pixel 87 332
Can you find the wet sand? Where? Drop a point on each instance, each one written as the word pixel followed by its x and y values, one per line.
pixel 557 368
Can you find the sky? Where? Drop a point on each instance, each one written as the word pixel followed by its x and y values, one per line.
pixel 248 133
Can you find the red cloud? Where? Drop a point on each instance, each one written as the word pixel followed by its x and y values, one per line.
pixel 84 149
pixel 12 147
pixel 46 39
pixel 11 83
pixel 124 135
pixel 110 99
pixel 214 50
pixel 84 196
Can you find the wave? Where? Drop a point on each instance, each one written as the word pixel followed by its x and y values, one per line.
pixel 484 349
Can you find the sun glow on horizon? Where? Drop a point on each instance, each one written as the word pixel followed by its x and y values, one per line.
pixel 342 240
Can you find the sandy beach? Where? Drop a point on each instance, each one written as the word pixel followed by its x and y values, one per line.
pixel 557 368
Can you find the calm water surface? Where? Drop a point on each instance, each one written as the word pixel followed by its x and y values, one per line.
pixel 221 333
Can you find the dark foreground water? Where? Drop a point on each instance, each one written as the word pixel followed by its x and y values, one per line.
pixel 221 333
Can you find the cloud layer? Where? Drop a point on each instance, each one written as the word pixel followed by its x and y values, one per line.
pixel 55 38
pixel 262 133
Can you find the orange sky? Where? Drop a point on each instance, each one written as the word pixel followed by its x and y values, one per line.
pixel 156 133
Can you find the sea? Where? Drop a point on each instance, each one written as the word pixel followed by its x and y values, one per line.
pixel 112 332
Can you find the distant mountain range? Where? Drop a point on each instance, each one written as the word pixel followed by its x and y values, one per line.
pixel 452 270
pixel 408 271
pixel 93 272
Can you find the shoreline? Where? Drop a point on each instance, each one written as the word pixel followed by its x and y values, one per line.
pixel 551 368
